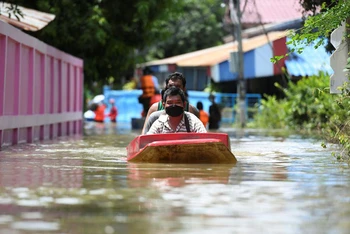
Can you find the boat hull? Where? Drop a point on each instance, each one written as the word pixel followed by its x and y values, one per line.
pixel 181 148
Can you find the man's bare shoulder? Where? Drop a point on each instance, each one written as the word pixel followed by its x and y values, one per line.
pixel 156 113
pixel 154 107
pixel 194 110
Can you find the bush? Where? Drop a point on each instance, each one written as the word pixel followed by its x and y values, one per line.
pixel 309 108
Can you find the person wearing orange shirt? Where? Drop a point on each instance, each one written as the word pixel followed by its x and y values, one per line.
pixel 113 113
pixel 100 113
pixel 203 115
pixel 150 88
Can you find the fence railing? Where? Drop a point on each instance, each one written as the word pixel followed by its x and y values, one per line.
pixel 128 106
pixel 41 89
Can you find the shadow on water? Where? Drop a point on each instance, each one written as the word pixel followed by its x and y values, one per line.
pixel 85 185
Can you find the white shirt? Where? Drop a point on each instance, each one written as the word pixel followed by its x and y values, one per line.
pixel 161 125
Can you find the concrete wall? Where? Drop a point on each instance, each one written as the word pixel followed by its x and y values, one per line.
pixel 41 89
pixel 338 59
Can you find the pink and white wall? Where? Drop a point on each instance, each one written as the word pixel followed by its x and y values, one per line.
pixel 41 90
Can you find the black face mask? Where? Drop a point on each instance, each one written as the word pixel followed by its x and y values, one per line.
pixel 174 110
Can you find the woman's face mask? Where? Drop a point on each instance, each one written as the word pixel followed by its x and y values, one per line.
pixel 174 110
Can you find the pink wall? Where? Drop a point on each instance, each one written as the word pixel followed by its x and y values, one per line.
pixel 41 89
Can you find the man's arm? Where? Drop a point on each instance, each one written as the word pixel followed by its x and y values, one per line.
pixel 194 110
pixel 152 109
pixel 152 118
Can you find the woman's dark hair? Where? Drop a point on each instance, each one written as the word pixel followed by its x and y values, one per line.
pixel 173 91
pixel 199 105
pixel 147 71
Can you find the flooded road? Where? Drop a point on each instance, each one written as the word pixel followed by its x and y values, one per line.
pixel 84 185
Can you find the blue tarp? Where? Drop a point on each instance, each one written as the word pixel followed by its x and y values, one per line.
pixel 311 62
pixel 128 106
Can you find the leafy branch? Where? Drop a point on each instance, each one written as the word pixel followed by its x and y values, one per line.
pixel 317 27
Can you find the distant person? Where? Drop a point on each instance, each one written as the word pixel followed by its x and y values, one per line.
pixel 150 88
pixel 203 115
pixel 89 115
pixel 214 113
pixel 175 118
pixel 100 113
pixel 155 82
pixel 113 113
pixel 131 83
pixel 175 79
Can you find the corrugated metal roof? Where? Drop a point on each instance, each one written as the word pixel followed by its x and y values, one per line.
pixel 270 11
pixel 272 27
pixel 310 62
pixel 217 54
pixel 32 20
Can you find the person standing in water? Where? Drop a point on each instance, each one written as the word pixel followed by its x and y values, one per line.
pixel 203 115
pixel 214 113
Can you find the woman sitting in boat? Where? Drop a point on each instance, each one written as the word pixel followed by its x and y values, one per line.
pixel 174 118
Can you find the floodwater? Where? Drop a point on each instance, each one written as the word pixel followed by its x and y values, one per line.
pixel 84 185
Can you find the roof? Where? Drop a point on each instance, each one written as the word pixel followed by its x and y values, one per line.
pixel 271 27
pixel 32 20
pixel 310 62
pixel 270 11
pixel 214 55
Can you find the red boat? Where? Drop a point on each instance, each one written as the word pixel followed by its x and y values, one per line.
pixel 181 148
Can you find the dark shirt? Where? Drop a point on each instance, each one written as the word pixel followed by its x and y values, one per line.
pixel 214 116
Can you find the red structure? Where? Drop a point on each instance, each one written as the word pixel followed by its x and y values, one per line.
pixel 181 147
pixel 41 89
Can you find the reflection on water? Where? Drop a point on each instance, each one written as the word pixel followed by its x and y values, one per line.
pixel 84 185
pixel 176 175
pixel 32 171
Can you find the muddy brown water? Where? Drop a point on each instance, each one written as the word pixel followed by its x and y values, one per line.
pixel 84 185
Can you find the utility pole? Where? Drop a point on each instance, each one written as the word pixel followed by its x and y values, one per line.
pixel 236 15
pixel 348 33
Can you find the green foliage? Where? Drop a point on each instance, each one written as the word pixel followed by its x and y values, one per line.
pixel 312 90
pixel 271 114
pixel 309 108
pixel 339 125
pixel 105 34
pixel 347 67
pixel 197 25
pixel 112 36
pixel 319 26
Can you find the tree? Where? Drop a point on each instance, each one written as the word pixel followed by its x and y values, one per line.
pixel 112 36
pixel 197 25
pixel 332 14
pixel 105 34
